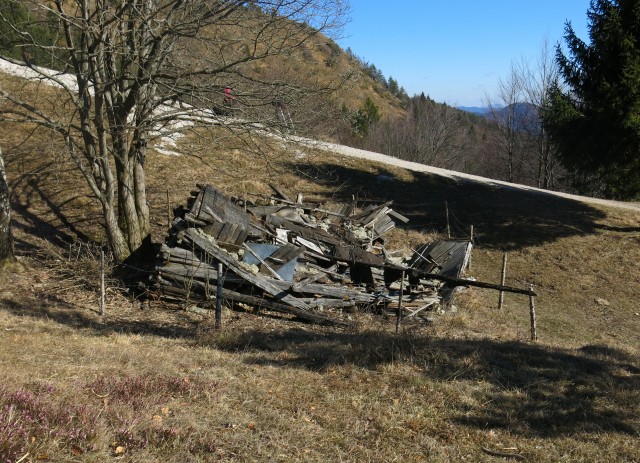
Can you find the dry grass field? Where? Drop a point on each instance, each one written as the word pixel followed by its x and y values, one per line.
pixel 152 382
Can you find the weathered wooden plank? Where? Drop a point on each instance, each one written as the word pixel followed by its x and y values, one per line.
pixel 284 255
pixel 333 291
pixel 369 212
pixel 316 235
pixel 215 206
pixel 283 308
pixel 258 281
pixel 279 192
pixel 397 215
pixel 213 229
pixel 382 226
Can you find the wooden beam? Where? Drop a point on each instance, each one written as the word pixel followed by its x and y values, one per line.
pixel 463 282
pixel 282 308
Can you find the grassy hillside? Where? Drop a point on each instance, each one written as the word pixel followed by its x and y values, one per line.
pixel 151 381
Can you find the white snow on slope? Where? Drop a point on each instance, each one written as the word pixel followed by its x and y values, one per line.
pixel 168 136
pixel 47 76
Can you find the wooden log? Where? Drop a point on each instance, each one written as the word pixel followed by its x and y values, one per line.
pixel 168 288
pixel 463 282
pixel 282 308
pixel 182 283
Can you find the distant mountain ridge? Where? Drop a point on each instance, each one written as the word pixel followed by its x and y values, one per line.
pixel 474 109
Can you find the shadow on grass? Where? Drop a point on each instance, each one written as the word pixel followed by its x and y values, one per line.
pixel 41 193
pixel 51 308
pixel 528 389
pixel 503 217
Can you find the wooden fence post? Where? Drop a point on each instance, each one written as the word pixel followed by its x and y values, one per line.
pixel 446 207
pixel 502 280
pixel 102 289
pixel 399 309
pixel 219 298
pixel 471 241
pixel 532 313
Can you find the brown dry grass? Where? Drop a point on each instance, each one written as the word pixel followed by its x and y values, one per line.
pixel 152 382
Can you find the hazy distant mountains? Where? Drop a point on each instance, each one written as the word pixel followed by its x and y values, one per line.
pixel 522 111
pixel 474 109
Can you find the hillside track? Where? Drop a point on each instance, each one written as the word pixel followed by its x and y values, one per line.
pixel 457 176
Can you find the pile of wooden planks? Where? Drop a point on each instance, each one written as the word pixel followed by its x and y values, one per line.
pixel 312 260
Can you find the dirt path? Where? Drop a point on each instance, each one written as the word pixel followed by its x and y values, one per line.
pixel 416 167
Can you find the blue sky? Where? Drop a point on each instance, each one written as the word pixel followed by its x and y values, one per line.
pixel 455 51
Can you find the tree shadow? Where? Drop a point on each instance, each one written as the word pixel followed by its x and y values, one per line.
pixel 51 308
pixel 618 229
pixel 45 205
pixel 503 217
pixel 529 389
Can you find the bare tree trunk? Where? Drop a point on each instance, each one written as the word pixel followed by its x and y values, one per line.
pixel 116 239
pixel 6 237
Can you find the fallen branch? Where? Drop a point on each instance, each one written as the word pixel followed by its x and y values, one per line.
pixel 497 453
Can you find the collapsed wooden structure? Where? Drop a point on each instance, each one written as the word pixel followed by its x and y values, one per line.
pixel 312 260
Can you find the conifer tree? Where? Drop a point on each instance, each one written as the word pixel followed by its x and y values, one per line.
pixel 596 121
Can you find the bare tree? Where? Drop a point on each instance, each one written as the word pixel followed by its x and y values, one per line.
pixel 6 237
pixel 505 111
pixel 537 81
pixel 132 61
pixel 430 133
pixel 439 130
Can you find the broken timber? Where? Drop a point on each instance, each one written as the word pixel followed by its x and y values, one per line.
pixel 300 257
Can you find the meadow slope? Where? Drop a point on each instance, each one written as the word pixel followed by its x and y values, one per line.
pixel 150 381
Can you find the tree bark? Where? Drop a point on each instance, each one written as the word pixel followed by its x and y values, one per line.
pixel 6 236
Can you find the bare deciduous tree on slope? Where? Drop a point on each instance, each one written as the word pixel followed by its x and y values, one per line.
pixel 132 61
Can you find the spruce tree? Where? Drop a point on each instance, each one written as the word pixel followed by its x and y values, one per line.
pixel 595 120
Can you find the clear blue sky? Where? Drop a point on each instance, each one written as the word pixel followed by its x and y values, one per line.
pixel 455 51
